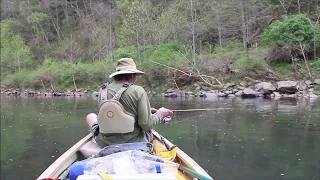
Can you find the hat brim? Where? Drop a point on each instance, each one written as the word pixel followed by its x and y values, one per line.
pixel 127 71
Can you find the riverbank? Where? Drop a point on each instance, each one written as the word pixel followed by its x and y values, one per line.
pixel 252 89
pixel 248 88
pixel 30 92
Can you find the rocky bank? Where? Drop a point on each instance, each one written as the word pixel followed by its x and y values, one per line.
pixel 247 88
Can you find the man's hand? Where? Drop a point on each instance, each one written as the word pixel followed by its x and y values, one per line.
pixel 165 112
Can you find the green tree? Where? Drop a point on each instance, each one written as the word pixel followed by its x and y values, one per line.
pixel 290 31
pixel 293 32
pixel 15 55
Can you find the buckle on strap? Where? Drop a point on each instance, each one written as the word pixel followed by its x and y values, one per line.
pixel 105 85
pixel 126 84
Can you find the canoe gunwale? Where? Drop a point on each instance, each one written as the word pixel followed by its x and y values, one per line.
pixel 56 168
pixel 183 157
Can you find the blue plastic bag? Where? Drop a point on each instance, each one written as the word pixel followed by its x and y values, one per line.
pixel 77 169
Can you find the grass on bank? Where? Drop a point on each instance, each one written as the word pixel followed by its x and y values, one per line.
pixel 59 74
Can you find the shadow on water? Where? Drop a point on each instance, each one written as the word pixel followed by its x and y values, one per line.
pixel 241 139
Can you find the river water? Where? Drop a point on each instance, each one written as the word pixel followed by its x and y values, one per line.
pixel 239 139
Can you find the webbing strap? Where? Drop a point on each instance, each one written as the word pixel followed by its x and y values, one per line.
pixel 104 93
pixel 119 93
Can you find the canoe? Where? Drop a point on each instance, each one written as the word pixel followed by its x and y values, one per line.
pixel 86 147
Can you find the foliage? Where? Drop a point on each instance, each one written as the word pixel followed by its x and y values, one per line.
pixel 37 18
pixel 252 64
pixel 316 88
pixel 315 67
pixel 55 41
pixel 60 74
pixel 129 51
pixel 282 68
pixel 170 53
pixel 232 51
pixel 15 55
pixel 317 34
pixel 221 58
pixel 315 64
pixel 290 31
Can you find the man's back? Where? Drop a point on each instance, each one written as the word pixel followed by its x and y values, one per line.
pixel 134 100
pixel 135 116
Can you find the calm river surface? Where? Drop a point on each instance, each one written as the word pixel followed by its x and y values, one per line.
pixel 242 139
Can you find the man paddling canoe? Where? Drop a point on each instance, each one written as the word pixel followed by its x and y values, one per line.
pixel 125 111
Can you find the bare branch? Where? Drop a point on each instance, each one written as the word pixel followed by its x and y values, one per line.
pixel 171 68
pixel 221 84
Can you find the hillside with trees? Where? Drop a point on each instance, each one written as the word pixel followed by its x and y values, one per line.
pixel 71 44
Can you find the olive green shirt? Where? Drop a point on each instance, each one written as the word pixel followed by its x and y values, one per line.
pixel 136 102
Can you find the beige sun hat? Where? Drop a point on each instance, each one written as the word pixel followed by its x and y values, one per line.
pixel 126 66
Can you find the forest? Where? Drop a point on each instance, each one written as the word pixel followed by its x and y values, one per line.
pixel 71 44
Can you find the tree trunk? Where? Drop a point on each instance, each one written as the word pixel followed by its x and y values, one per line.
pixel 74 83
pixel 219 31
pixel 43 85
pixel 305 59
pixel 19 69
pixel 244 30
pixel 314 39
pixel 193 36
pixel 138 45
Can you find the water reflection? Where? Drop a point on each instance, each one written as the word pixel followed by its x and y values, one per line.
pixel 241 139
pixel 257 139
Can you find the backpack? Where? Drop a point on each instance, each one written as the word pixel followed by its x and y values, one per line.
pixel 112 117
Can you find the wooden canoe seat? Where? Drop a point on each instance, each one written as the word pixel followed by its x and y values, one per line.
pixel 90 148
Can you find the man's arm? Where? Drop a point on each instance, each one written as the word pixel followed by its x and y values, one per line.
pixel 146 119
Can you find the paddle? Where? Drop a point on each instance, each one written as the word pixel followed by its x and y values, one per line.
pixel 202 177
pixel 181 167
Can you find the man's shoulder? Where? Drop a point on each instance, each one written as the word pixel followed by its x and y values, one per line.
pixel 137 88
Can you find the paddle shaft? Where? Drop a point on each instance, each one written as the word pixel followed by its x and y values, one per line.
pixel 166 144
pixel 202 177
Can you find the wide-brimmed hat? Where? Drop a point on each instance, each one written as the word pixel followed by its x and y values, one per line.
pixel 126 66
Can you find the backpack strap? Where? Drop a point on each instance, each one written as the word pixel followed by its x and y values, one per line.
pixel 125 86
pixel 104 92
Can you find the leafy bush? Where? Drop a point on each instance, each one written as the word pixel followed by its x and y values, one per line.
pixel 315 64
pixel 129 51
pixel 60 74
pixel 171 54
pixel 167 53
pixel 290 31
pixel 15 55
pixel 251 64
pixel 281 67
pixel 231 52
pixel 315 67
pixel 317 32
pixel 37 18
